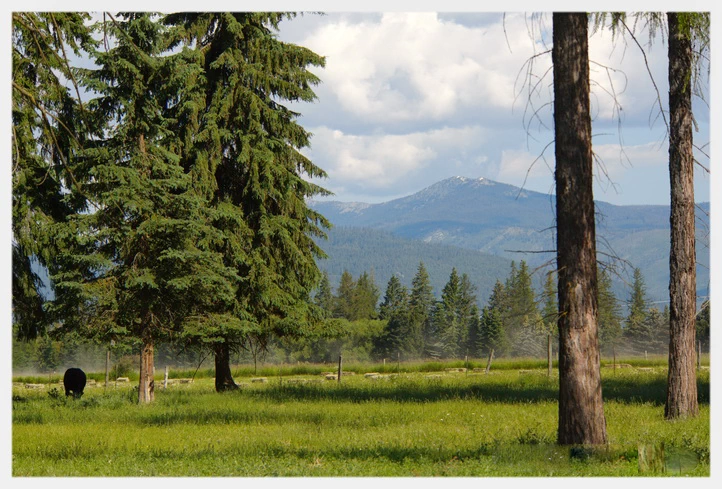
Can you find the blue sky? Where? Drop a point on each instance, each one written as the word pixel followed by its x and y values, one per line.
pixel 408 99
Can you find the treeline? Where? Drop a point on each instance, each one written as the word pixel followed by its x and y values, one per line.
pixel 408 323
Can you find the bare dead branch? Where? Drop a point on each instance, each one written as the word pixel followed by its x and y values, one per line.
pixel 649 71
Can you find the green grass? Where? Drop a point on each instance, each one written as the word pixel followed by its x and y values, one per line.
pixel 457 425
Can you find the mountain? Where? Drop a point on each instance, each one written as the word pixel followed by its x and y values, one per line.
pixel 516 224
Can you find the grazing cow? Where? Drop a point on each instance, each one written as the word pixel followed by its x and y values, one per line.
pixel 74 381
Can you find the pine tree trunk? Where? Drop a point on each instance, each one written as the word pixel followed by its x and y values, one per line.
pixel 681 380
pixel 146 388
pixel 581 412
pixel 224 378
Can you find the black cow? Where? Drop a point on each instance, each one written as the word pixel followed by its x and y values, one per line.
pixel 74 381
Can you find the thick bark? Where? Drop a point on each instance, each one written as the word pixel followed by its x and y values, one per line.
pixel 681 380
pixel 146 387
pixel 581 412
pixel 224 378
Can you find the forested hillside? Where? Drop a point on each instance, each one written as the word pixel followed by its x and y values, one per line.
pixel 503 220
pixel 362 250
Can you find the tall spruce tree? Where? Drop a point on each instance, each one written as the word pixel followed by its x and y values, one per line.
pixel 609 314
pixel 395 310
pixel 48 127
pixel 522 321
pixel 248 154
pixel 492 334
pixel 421 304
pixel 702 324
pixel 140 262
pixel 365 298
pixel 550 310
pixel 447 322
pixel 636 331
pixel 395 299
pixel 324 295
pixel 657 323
pixel 468 313
pixel 343 307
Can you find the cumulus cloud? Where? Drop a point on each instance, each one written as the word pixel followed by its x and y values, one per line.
pixel 373 164
pixel 408 99
pixel 410 66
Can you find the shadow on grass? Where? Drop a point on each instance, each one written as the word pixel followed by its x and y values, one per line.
pixel 542 389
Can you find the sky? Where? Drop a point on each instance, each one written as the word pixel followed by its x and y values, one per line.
pixel 411 98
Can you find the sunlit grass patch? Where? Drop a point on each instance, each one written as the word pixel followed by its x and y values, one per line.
pixel 457 424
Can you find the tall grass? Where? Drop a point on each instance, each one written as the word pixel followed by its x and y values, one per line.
pixel 499 424
pixel 284 370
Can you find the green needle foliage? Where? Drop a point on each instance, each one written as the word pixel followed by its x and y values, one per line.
pixel 144 260
pixel 46 117
pixel 247 155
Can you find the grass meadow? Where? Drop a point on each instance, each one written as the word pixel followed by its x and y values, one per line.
pixel 412 423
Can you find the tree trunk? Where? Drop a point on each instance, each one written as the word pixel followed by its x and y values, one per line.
pixel 224 378
pixel 146 387
pixel 581 412
pixel 681 380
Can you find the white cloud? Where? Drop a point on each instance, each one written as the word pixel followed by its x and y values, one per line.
pixel 414 66
pixel 516 165
pixel 371 163
pixel 408 99
pixel 613 160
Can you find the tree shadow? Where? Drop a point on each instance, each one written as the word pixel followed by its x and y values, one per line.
pixel 625 389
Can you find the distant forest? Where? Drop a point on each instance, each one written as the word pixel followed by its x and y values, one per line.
pixel 407 323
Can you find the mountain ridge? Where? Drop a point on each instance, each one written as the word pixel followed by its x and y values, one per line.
pixel 503 220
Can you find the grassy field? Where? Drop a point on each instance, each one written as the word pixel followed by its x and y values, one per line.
pixel 450 424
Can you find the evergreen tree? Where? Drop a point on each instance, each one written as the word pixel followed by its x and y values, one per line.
pixel 141 263
pixel 395 299
pixel 248 155
pixel 609 314
pixel 492 334
pixel 421 304
pixel 702 324
pixel 447 322
pixel 324 294
pixel 365 298
pixel 498 299
pixel 49 125
pixel 550 311
pixel 345 296
pixel 468 313
pixel 657 323
pixel 636 331
pixel 521 319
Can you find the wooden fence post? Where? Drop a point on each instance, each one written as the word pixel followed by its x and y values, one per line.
pixel 339 368
pixel 488 363
pixel 549 355
pixel 107 367
pixel 165 378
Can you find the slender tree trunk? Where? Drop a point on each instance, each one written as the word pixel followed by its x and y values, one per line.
pixel 146 388
pixel 581 412
pixel 681 380
pixel 224 378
